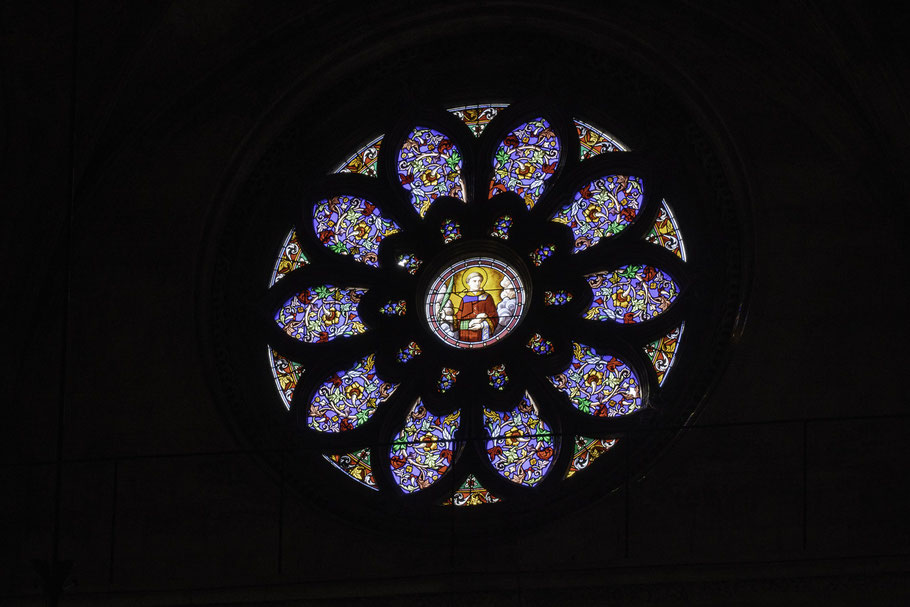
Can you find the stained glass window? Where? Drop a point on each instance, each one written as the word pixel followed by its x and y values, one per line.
pixel 522 332
pixel 602 208
pixel 631 294
pixel 429 166
pixel 349 225
pixel 599 385
pixel 525 160
pixel 423 449
pixel 348 398
pixel 323 313
pixel 521 444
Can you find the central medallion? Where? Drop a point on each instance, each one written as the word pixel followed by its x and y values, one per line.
pixel 475 302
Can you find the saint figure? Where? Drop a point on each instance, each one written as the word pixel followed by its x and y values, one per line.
pixel 476 318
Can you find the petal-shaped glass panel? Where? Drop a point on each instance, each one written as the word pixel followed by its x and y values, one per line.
pixel 477 117
pixel 471 493
pixel 662 352
pixel 363 161
pixel 348 398
pixel 349 225
pixel 630 294
pixel 521 444
pixel 286 374
pixel 587 450
pixel 602 208
pixel 594 141
pixel 356 465
pixel 289 259
pixel 323 313
pixel 666 233
pixel 525 160
pixel 423 450
pixel 603 386
pixel 429 166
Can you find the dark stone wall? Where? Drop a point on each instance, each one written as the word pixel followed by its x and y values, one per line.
pixel 122 125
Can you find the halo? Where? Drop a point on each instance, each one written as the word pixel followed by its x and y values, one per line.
pixel 468 271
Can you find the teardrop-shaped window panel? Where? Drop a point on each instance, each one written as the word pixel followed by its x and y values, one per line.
pixel 602 208
pixel 349 225
pixel 521 446
pixel 348 398
pixel 321 314
pixel 631 294
pixel 602 386
pixel 423 450
pixel 429 166
pixel 525 160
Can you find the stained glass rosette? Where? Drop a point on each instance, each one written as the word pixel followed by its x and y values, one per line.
pixel 475 301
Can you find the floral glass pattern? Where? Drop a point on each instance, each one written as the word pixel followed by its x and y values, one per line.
pixel 477 117
pixel 286 374
pixel 451 231
pixel 665 232
pixel 349 225
pixel 356 465
pixel 602 386
pixel 662 352
pixel 429 166
pixel 556 298
pixel 395 308
pixel 593 141
pixel 602 208
pixel 525 160
pixel 446 380
pixel 540 346
pixel 411 263
pixel 521 444
pixel 586 451
pixel 471 493
pixel 501 227
pixel 499 379
pixel 290 258
pixel 409 352
pixel 320 314
pixel 348 398
pixel 363 161
pixel 542 253
pixel 631 294
pixel 423 449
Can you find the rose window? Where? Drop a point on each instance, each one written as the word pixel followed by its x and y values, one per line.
pixel 473 309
